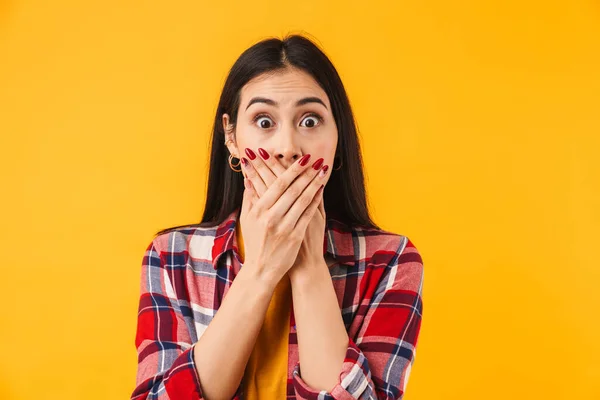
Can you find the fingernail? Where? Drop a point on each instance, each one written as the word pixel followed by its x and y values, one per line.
pixel 318 164
pixel 250 154
pixel 325 168
pixel 323 171
pixel 245 162
pixel 263 153
pixel 304 160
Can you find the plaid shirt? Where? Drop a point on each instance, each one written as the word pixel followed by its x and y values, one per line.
pixel 185 274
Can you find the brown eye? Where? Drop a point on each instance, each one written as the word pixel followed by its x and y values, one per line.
pixel 313 120
pixel 264 121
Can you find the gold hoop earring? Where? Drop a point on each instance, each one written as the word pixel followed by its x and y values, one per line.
pixel 231 156
pixel 338 168
pixel 234 165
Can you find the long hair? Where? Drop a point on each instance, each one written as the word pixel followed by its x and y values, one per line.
pixel 344 195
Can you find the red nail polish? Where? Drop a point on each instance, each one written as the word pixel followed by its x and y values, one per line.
pixel 325 168
pixel 304 159
pixel 263 153
pixel 250 154
pixel 244 161
pixel 318 164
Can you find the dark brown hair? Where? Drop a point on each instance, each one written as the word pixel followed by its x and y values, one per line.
pixel 344 195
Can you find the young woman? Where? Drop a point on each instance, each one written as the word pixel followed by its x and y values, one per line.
pixel 314 300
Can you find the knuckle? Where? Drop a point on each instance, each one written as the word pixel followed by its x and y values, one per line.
pixel 305 201
pixel 280 184
pixel 294 191
pixel 270 162
pixel 296 169
pixel 269 222
pixel 285 228
pixel 296 236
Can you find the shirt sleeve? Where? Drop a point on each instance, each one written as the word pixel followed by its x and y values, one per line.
pixel 378 361
pixel 166 369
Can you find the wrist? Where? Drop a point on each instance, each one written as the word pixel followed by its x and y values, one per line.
pixel 314 272
pixel 259 278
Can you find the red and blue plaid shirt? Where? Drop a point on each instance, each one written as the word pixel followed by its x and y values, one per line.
pixel 378 280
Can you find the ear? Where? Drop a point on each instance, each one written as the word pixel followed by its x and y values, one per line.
pixel 229 135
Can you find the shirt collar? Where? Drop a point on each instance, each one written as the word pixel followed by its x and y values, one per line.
pixel 337 241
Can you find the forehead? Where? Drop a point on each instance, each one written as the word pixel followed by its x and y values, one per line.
pixel 283 86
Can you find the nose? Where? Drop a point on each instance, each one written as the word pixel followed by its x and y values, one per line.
pixel 288 157
pixel 286 147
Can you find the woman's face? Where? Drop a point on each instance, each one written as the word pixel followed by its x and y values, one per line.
pixel 287 114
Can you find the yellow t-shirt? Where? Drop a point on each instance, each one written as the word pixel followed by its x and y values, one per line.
pixel 265 376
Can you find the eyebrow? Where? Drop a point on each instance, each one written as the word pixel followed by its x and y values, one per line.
pixel 299 103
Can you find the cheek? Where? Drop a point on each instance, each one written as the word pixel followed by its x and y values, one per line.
pixel 330 147
pixel 247 141
pixel 327 151
pixel 248 138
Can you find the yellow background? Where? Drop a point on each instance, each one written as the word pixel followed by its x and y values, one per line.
pixel 480 126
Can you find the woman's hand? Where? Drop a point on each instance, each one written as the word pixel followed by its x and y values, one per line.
pixel 310 254
pixel 262 172
pixel 274 224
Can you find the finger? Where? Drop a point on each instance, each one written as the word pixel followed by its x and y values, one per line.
pixel 280 185
pixel 258 171
pixel 253 195
pixel 247 197
pixel 268 177
pixel 322 205
pixel 252 174
pixel 309 212
pixel 305 185
pixel 297 208
pixel 274 166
